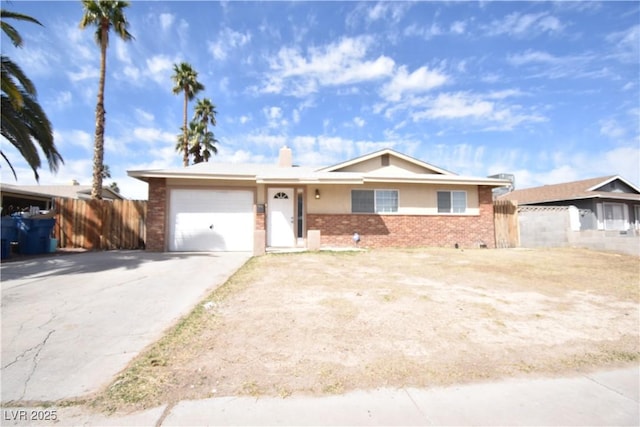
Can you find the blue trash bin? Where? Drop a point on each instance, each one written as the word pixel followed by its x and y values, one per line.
pixel 9 234
pixel 34 235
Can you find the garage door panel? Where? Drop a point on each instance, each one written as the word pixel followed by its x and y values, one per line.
pixel 211 220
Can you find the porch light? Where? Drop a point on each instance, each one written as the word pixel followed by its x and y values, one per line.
pixel 317 193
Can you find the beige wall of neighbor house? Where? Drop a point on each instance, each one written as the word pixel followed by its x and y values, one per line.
pixel 413 199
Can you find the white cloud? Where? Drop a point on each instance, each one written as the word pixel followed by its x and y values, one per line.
pixel 228 41
pixel 122 51
pixel 272 113
pixel 273 142
pixel 303 144
pixel 458 27
pixel 166 21
pixel 159 67
pixel 74 138
pixel 359 121
pixel 61 100
pixel 456 105
pixel 424 31
pixel 392 11
pixel 421 80
pixel 340 63
pixel 245 119
pixel 36 61
pixel 85 72
pixel 488 111
pixel 144 116
pixel 295 116
pixel 544 64
pixel 532 56
pixel 518 24
pixel 627 44
pixel 150 135
pixel 611 129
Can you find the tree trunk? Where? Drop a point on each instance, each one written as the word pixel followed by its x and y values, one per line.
pixel 98 149
pixel 185 139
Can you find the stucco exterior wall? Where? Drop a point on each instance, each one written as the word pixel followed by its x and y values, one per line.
pixel 412 199
pixel 396 167
pixel 336 229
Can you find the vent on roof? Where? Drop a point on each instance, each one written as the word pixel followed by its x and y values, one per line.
pixel 384 159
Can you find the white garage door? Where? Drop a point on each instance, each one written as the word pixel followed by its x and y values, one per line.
pixel 210 220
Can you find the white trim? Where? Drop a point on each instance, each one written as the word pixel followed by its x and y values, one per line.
pixel 389 152
pixel 613 178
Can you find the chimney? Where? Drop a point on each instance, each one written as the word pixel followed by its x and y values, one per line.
pixel 285 160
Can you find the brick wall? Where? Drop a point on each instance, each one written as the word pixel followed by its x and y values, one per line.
pixel 156 215
pixel 260 221
pixel 409 230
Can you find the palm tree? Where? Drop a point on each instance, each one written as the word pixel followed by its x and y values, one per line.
pixel 103 14
pixel 185 79
pixel 207 145
pixel 23 121
pixel 205 113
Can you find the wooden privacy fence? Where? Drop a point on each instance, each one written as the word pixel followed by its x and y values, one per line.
pixel 100 224
pixel 505 219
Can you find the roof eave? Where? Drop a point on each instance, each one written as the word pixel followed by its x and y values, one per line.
pixel 442 179
pixel 146 175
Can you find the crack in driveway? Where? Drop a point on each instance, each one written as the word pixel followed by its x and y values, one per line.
pixel 35 362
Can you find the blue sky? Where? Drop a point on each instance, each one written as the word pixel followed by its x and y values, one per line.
pixel 547 91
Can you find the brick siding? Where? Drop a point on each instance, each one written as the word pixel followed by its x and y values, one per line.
pixel 409 230
pixel 260 221
pixel 156 215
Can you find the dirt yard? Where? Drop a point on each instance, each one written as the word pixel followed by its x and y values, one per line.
pixel 322 323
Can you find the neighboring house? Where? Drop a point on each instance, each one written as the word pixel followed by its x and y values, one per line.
pixel 598 213
pixel 388 198
pixel 18 197
pixel 605 203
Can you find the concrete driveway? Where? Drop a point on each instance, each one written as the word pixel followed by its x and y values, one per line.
pixel 72 322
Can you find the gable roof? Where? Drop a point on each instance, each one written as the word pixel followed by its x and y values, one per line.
pixel 274 174
pixel 574 190
pixel 390 152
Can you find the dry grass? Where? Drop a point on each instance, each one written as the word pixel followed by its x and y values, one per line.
pixel 326 323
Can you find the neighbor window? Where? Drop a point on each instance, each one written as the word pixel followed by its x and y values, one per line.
pixel 452 201
pixel 374 201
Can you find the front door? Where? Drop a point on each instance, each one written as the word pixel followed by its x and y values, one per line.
pixel 280 217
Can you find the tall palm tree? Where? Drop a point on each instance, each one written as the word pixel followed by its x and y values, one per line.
pixel 185 79
pixel 104 15
pixel 23 121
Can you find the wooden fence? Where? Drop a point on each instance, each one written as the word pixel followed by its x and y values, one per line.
pixel 100 224
pixel 505 219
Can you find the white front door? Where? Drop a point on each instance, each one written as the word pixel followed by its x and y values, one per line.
pixel 280 217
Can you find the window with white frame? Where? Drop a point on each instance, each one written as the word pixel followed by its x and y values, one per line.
pixel 374 201
pixel 452 201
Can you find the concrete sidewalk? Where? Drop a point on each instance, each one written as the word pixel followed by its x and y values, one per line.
pixel 600 398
